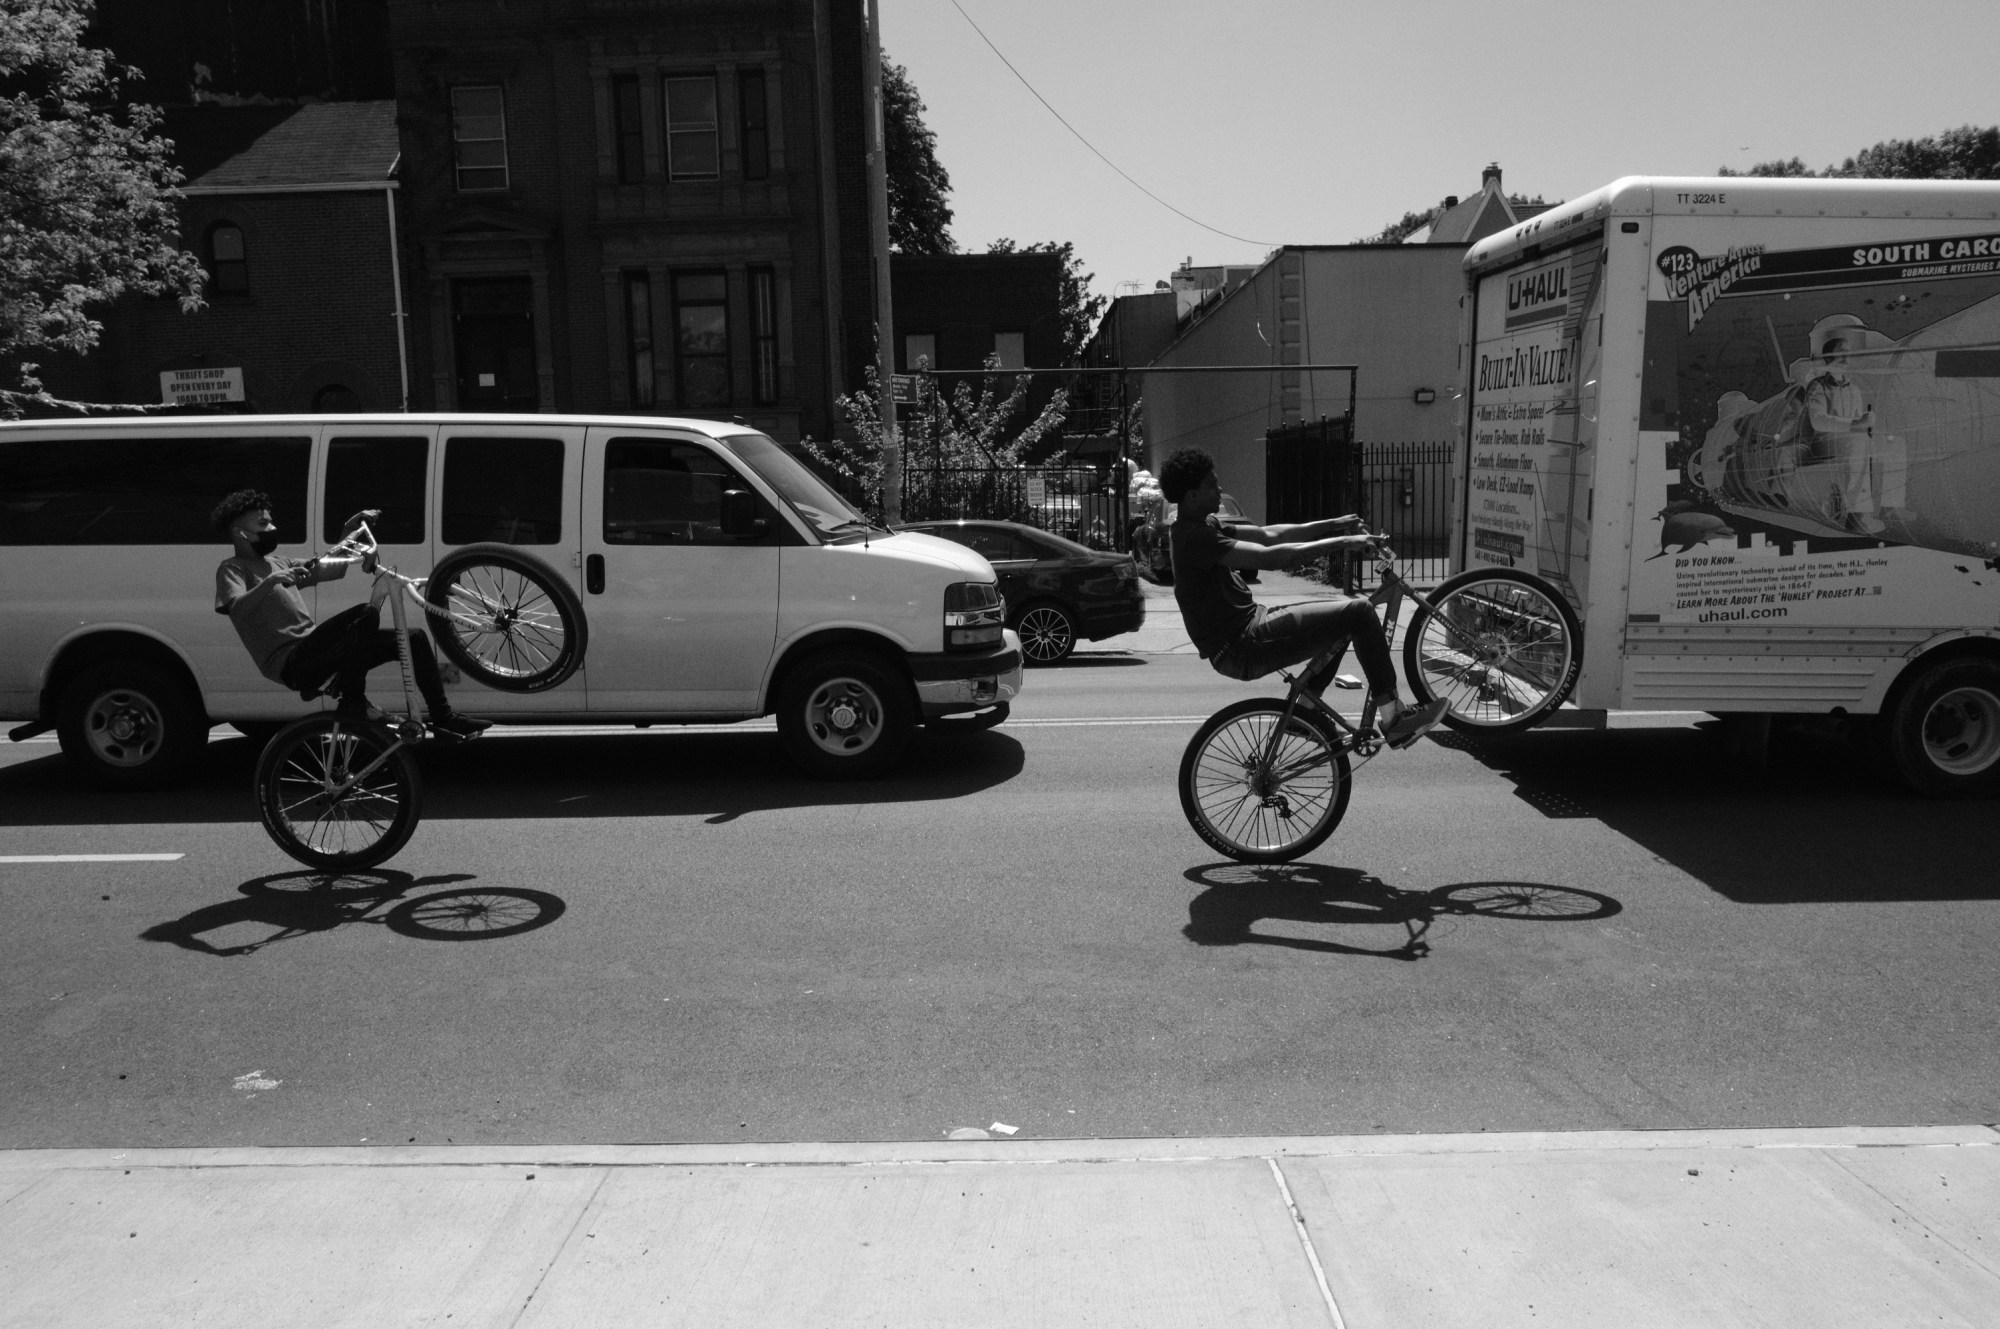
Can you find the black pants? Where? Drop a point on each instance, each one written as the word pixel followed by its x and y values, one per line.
pixel 1279 637
pixel 351 643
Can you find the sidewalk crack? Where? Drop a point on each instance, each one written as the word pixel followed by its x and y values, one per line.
pixel 1306 1241
pixel 1972 1257
pixel 583 1212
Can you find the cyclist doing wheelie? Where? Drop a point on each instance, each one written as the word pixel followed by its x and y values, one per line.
pixel 1244 640
pixel 258 589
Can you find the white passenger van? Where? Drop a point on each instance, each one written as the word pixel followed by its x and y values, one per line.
pixel 1750 429
pixel 721 579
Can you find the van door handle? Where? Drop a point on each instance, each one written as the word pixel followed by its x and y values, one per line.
pixel 593 574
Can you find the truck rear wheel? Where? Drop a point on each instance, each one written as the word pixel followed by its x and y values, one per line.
pixel 1942 734
pixel 129 725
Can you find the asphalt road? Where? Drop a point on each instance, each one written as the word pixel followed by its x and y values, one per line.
pixel 1020 928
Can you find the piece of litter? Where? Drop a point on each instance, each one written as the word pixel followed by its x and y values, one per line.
pixel 1003 1128
pixel 968 1133
pixel 254 1082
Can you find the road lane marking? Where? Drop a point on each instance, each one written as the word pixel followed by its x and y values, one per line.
pixel 90 858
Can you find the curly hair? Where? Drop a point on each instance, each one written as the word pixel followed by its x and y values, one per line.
pixel 229 509
pixel 1183 471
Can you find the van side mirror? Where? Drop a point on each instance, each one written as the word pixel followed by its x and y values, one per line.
pixel 739 514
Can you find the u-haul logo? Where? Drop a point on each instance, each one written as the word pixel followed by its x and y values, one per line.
pixel 1538 295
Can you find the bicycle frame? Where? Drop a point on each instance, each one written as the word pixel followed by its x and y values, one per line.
pixel 1362 737
pixel 360 546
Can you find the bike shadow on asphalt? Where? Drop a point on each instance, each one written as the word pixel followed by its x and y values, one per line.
pixel 1239 896
pixel 288 905
pixel 1815 822
pixel 660 772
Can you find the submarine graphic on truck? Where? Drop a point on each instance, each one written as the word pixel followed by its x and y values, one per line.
pixel 1896 440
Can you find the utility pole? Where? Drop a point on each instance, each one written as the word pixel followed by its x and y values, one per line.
pixel 885 322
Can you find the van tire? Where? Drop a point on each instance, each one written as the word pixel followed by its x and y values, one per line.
pixel 128 725
pixel 522 574
pixel 845 715
pixel 1942 733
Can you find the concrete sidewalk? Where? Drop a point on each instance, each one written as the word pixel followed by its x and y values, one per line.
pixel 1813 1228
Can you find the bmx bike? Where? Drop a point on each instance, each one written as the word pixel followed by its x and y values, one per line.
pixel 1265 780
pixel 344 793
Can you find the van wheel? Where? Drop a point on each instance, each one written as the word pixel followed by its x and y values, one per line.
pixel 845 716
pixel 1943 733
pixel 129 725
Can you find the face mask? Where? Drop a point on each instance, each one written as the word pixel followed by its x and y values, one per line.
pixel 265 542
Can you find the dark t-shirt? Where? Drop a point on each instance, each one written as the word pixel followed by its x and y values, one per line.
pixel 1215 604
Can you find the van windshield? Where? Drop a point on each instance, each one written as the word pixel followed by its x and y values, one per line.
pixel 811 497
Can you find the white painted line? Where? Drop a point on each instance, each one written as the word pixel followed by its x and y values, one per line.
pixel 89 858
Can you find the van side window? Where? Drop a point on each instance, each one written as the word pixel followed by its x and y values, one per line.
pixel 505 489
pixel 144 491
pixel 659 492
pixel 385 473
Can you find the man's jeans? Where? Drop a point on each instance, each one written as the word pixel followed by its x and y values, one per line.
pixel 1279 637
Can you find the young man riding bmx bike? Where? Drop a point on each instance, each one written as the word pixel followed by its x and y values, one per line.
pixel 1244 640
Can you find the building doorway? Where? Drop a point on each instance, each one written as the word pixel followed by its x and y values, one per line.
pixel 494 332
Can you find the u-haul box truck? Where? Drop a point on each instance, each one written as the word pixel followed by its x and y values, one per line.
pixel 1750 429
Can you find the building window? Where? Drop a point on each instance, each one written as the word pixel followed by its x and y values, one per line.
pixel 625 127
pixel 701 338
pixel 227 269
pixel 764 334
pixel 693 148
pixel 756 115
pixel 479 137
pixel 919 352
pixel 639 336
pixel 1011 348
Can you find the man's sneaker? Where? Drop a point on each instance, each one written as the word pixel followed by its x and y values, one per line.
pixel 359 712
pixel 1412 723
pixel 456 726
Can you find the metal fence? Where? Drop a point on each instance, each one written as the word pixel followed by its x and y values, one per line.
pixel 1084 503
pixel 1406 492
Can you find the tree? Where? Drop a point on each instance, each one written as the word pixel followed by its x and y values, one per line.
pixel 919 186
pixel 1965 153
pixel 1079 308
pixel 965 430
pixel 87 194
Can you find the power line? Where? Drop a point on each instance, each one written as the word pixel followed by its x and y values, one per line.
pixel 1269 244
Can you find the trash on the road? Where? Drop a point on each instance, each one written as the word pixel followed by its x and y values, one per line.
pixel 254 1082
pixel 1003 1128
pixel 968 1133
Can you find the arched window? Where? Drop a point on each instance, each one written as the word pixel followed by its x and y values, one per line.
pixel 336 399
pixel 227 269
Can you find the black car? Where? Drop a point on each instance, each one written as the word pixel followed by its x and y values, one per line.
pixel 1057 591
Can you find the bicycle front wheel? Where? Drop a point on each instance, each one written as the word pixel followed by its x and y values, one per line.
pixel 1259 800
pixel 1501 648
pixel 311 817
pixel 506 618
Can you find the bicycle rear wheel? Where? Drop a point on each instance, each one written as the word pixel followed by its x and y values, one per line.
pixel 1258 802
pixel 1502 649
pixel 506 618
pixel 297 778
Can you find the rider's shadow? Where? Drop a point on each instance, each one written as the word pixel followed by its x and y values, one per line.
pixel 292 904
pixel 1240 896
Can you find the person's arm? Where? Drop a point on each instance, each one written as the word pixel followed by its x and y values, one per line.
pixel 233 591
pixel 1274 557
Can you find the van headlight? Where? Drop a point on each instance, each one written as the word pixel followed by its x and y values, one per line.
pixel 973 614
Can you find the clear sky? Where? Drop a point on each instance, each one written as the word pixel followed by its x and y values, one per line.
pixel 1320 121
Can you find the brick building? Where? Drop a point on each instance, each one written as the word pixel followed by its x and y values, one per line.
pixel 291 211
pixel 636 206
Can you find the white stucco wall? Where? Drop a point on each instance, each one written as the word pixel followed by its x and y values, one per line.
pixel 1391 309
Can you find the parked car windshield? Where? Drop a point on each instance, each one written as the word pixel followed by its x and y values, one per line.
pixel 811 497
